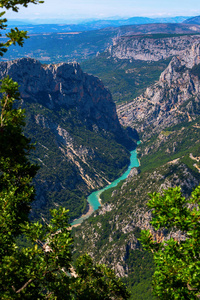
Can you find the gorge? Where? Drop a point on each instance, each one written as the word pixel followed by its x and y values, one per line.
pixel 81 145
pixel 166 117
pixel 72 118
pixel 94 199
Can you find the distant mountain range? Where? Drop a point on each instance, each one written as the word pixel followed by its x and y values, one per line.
pixel 194 20
pixel 64 26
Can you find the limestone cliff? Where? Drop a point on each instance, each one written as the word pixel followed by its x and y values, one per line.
pixel 73 120
pixel 149 48
pixel 174 98
pixel 64 85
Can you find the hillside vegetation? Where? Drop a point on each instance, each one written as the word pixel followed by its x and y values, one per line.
pixel 63 46
pixel 181 141
pixel 125 78
pixel 59 180
pixel 166 116
pixel 81 146
pixel 113 231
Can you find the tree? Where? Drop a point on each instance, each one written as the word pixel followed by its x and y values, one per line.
pixel 42 270
pixel 15 36
pixel 16 170
pixel 177 259
pixel 96 281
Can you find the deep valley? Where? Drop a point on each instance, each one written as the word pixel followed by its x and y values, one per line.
pixel 135 82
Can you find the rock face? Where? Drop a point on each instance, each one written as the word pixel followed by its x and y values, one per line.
pixel 73 120
pixel 174 98
pixel 64 85
pixel 157 28
pixel 150 49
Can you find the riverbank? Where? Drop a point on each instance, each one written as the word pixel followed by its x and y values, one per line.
pixel 100 201
pixel 94 200
pixel 90 210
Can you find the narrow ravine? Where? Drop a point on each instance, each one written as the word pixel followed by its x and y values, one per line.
pixel 93 198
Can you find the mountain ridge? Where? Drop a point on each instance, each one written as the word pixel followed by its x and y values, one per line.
pixel 192 20
pixel 150 47
pixel 89 25
pixel 163 104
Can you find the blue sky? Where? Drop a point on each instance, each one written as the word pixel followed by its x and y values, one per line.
pixel 101 9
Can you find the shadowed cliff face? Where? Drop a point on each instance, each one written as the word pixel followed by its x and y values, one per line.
pixel 73 120
pixel 64 85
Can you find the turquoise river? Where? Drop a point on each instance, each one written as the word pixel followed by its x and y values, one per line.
pixel 93 198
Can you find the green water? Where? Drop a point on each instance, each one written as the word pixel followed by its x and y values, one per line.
pixel 93 198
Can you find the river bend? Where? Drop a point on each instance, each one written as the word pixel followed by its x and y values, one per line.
pixel 93 198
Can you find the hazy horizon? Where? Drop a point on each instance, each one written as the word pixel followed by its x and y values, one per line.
pixel 80 10
pixel 58 21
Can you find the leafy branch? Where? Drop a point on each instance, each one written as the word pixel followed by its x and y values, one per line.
pixel 177 259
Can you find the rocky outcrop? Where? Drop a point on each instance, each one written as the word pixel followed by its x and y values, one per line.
pixel 174 98
pixel 150 48
pixel 64 85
